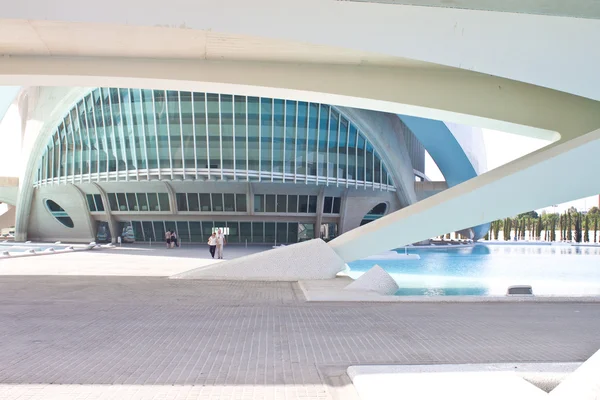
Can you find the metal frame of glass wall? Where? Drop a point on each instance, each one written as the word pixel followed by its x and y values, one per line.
pixel 132 134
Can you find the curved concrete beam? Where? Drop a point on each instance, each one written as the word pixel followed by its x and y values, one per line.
pixel 447 153
pixel 542 175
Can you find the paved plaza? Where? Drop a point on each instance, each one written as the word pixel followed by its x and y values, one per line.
pixel 151 338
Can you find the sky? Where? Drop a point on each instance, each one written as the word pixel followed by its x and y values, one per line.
pixel 503 147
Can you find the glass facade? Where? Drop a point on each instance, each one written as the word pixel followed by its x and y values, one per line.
pixel 281 203
pixel 145 202
pixel 239 232
pixel 117 134
pixel 211 202
pixel 331 205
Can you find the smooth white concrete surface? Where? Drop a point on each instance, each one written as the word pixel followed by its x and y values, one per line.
pixel 468 39
pixel 464 381
pixel 375 280
pixel 583 384
pixel 312 259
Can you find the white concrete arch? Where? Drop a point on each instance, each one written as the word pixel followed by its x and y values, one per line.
pixel 455 96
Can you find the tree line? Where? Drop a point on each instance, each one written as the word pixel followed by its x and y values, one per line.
pixel 572 225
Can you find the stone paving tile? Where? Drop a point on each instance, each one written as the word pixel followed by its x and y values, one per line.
pixel 234 338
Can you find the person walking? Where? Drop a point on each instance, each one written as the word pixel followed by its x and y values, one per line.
pixel 174 242
pixel 212 244
pixel 220 243
pixel 168 238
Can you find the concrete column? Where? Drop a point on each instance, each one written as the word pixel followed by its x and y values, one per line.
pixel 113 227
pixel 250 198
pixel 172 197
pixel 319 219
pixel 342 221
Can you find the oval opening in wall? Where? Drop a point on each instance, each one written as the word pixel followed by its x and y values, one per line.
pixel 59 213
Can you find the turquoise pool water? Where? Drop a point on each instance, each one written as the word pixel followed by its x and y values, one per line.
pixel 487 270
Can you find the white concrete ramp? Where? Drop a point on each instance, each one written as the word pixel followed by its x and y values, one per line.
pixel 312 259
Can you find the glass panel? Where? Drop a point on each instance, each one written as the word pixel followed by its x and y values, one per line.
pixel 229 202
pixel 306 232
pixel 217 201
pixel 269 232
pixel 91 204
pixel 212 104
pixel 150 129
pixel 290 136
pixel 132 202
pixel 266 126
pixel 281 203
pixel 333 144
pixel 278 134
pixel 207 229
pixel 377 170
pixel 200 124
pixel 342 142
pixel 352 152
pixel 234 234
pixel 183 231
pixel 258 232
pixel 134 109
pixel 253 134
pixel 160 230
pixel 369 160
pixel 153 202
pixel 142 201
pixel 112 200
pixel 259 203
pixel 122 201
pixel 163 199
pixel 240 134
pixel 301 138
pixel 360 158
pixel 138 231
pixel 227 130
pixel 187 126
pixel 270 200
pixel 312 204
pixel 193 203
pixel 323 124
pixel 292 203
pixel 128 138
pixel 245 232
pixel 181 201
pixel 205 202
pixel 240 202
pixel 161 129
pixel 282 232
pixel 327 205
pixel 292 232
pixel 148 231
pixel 195 232
pixel 337 201
pixel 174 121
pixel 99 203
pixel 303 203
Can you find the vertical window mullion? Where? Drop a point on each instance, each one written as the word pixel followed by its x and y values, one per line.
pixel 347 151
pixel 234 149
pixel 194 134
pixel 284 134
pixel 220 135
pixel 168 133
pixel 80 143
pixel 327 146
pixel 296 145
pixel 260 133
pixel 365 163
pixel 247 155
pixel 133 141
pixel 181 135
pixel 272 137
pixel 73 151
pixel 113 136
pixel 142 117
pixel 373 174
pixel 206 127
pixel 307 136
pixel 337 150
pixel 124 150
pixel 156 138
pixel 318 134
pixel 356 160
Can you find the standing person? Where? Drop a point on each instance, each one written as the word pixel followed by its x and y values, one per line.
pixel 168 238
pixel 212 244
pixel 220 243
pixel 174 242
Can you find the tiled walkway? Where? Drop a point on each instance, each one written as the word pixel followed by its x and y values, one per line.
pixel 243 340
